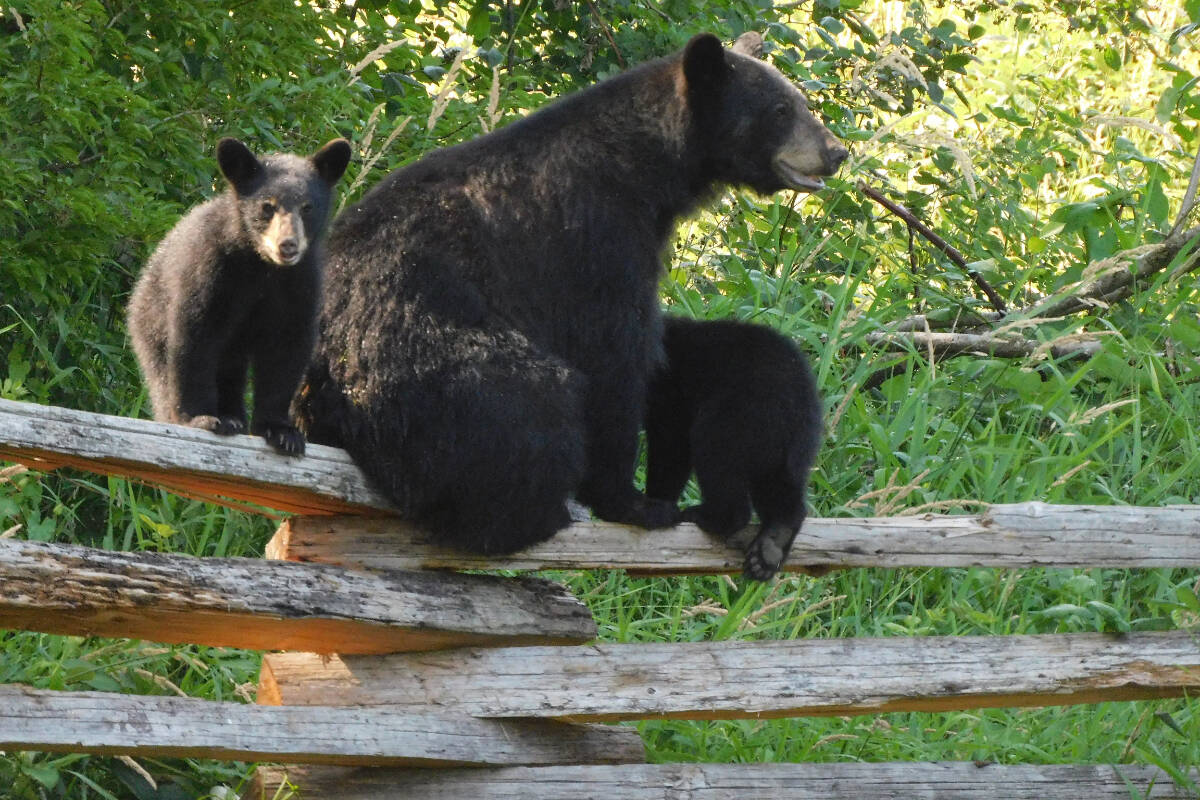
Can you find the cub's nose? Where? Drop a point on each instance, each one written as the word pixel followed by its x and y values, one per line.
pixel 289 249
pixel 835 155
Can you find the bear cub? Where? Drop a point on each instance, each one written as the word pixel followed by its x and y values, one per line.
pixel 235 285
pixel 738 403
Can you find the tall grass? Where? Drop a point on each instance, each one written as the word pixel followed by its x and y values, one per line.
pixel 948 435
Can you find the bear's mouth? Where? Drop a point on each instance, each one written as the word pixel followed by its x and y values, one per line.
pixel 796 179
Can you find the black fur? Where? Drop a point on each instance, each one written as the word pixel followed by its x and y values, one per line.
pixel 737 403
pixel 237 283
pixel 491 315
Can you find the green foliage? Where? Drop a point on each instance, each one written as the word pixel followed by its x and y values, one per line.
pixel 1036 137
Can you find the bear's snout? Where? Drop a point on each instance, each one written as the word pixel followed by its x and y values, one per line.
pixel 835 155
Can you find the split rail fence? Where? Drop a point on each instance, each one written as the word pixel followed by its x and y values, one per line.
pixel 516 699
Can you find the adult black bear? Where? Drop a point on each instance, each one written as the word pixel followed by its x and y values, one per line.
pixel 237 282
pixel 491 314
pixel 737 403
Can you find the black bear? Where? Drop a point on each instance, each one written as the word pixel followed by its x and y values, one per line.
pixel 491 315
pixel 237 283
pixel 738 404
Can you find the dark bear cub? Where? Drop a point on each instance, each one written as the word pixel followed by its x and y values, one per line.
pixel 236 284
pixel 737 403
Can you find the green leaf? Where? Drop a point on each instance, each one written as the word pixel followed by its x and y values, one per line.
pixel 1064 611
pixel 1158 208
pixel 1188 598
pixel 45 774
pixel 1114 619
pixel 479 23
pixel 832 24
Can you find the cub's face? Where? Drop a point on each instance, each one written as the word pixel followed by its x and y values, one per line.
pixel 283 200
pixel 757 126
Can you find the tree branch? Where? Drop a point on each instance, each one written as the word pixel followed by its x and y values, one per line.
pixel 937 241
pixel 950 344
pixel 1111 281
pixel 1113 278
pixel 607 33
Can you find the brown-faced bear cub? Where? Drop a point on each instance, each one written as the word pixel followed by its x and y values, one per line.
pixel 237 284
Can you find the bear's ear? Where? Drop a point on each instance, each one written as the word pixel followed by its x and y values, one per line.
pixel 704 62
pixel 331 160
pixel 750 44
pixel 237 163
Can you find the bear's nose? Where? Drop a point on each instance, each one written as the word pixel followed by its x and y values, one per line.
pixel 289 248
pixel 835 156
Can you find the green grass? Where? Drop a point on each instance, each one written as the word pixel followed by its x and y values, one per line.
pixel 1117 429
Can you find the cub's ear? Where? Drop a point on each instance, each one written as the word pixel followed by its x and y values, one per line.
pixel 331 160
pixel 237 163
pixel 750 44
pixel 704 62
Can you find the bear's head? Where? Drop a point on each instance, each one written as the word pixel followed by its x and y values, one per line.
pixel 755 125
pixel 282 200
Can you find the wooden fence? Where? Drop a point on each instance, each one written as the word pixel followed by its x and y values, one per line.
pixel 358 706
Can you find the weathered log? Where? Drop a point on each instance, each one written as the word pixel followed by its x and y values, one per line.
pixel 1021 535
pixel 195 463
pixel 949 344
pixel 730 680
pixel 1111 285
pixel 266 605
pixel 855 781
pixel 116 724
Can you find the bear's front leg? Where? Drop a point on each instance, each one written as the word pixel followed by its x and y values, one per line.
pixel 613 420
pixel 280 357
pixel 193 364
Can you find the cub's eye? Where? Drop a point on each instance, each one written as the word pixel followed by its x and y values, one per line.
pixel 782 110
pixel 267 208
pixel 307 207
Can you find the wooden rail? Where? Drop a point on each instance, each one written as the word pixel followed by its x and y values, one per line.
pixel 115 724
pixel 232 470
pixel 728 680
pixel 242 469
pixel 1020 535
pixel 263 605
pixel 889 781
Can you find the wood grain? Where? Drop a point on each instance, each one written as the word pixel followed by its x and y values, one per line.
pixel 891 781
pixel 1020 535
pixel 266 605
pixel 232 470
pixel 729 680
pixel 241 469
pixel 115 724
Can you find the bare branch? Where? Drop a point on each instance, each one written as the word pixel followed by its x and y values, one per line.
pixel 937 241
pixel 1189 197
pixel 1115 277
pixel 950 344
pixel 1108 281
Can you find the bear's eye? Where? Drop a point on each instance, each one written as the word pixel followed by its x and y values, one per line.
pixel 267 208
pixel 307 207
pixel 782 111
